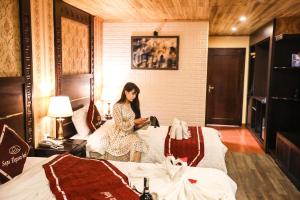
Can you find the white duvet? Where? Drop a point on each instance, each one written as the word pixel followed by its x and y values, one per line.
pixel 212 183
pixel 214 149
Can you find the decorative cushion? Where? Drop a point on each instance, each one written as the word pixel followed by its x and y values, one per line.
pixel 79 119
pixel 14 151
pixel 93 117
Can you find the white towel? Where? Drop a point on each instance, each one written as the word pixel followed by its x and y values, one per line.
pixel 178 186
pixel 174 126
pixel 186 134
pixel 179 130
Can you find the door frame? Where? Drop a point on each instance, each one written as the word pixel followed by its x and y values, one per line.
pixel 242 77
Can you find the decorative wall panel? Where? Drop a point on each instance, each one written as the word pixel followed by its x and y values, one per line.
pixel 75 47
pixel 43 65
pixel 10 42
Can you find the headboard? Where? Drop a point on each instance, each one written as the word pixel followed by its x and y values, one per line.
pixel 74 57
pixel 16 87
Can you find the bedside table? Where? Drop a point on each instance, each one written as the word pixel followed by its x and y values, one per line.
pixel 75 147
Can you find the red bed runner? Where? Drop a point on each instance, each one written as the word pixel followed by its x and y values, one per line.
pixel 192 148
pixel 72 177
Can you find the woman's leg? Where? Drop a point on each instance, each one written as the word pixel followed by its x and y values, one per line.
pixel 136 157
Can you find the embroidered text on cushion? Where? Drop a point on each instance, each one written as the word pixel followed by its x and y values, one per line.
pixel 93 117
pixel 192 148
pixel 72 177
pixel 13 155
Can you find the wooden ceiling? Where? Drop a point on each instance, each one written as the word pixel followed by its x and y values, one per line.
pixel 144 10
pixel 222 14
pixel 225 13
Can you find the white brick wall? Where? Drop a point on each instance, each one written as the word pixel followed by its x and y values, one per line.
pixel 165 94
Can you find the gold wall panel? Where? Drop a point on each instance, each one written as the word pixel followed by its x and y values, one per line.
pixel 42 29
pixel 10 41
pixel 75 47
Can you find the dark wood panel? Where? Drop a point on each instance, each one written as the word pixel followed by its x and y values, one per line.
pixel 288 154
pixel 75 14
pixel 12 104
pixel 225 77
pixel 76 86
pixel 262 33
pixel 11 92
pixel 16 122
pixel 294 166
pixel 287 25
pixel 261 64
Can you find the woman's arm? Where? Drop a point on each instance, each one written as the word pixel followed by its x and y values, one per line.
pixel 120 123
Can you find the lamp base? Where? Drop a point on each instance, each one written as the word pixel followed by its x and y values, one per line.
pixel 60 134
pixel 108 116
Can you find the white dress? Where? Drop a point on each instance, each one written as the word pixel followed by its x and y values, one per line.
pixel 121 138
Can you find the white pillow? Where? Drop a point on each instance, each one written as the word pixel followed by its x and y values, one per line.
pixel 79 120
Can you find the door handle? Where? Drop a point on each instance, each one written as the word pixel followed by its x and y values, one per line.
pixel 210 88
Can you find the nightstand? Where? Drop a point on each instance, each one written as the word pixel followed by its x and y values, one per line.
pixel 75 147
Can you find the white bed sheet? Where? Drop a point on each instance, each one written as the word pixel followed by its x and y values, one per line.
pixel 214 149
pixel 33 184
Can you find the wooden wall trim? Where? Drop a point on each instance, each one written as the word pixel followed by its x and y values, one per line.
pixel 57 4
pixel 92 56
pixel 75 14
pixel 26 49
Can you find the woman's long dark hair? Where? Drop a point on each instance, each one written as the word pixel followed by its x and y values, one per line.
pixel 135 104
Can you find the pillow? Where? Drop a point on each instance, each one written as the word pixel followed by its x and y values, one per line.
pixel 79 120
pixel 14 151
pixel 93 117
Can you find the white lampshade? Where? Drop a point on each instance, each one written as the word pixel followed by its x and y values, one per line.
pixel 109 94
pixel 60 106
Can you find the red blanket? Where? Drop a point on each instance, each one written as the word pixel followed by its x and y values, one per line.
pixel 192 148
pixel 72 177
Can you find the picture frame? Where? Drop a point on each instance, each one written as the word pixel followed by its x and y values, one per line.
pixel 154 52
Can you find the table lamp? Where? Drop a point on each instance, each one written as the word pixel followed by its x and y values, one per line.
pixel 60 107
pixel 108 95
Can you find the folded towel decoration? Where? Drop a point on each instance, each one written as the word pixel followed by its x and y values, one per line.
pixel 179 130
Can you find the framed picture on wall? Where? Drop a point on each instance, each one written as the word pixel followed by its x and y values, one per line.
pixel 154 52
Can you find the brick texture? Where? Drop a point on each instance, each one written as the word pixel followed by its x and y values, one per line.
pixel 165 94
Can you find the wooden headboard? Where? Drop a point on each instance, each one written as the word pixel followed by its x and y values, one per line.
pixel 16 91
pixel 80 86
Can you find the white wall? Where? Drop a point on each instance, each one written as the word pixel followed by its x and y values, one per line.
pixel 166 94
pixel 235 42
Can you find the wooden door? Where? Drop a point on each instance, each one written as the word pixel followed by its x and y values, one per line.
pixel 225 81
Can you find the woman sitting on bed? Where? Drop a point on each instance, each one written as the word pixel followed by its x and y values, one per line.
pixel 123 142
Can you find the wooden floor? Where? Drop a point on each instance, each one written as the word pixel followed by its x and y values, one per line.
pixel 258 177
pixel 256 174
pixel 240 140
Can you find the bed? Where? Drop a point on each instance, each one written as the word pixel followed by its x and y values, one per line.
pixel 214 156
pixel 32 183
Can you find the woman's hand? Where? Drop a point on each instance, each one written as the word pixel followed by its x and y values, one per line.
pixel 140 121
